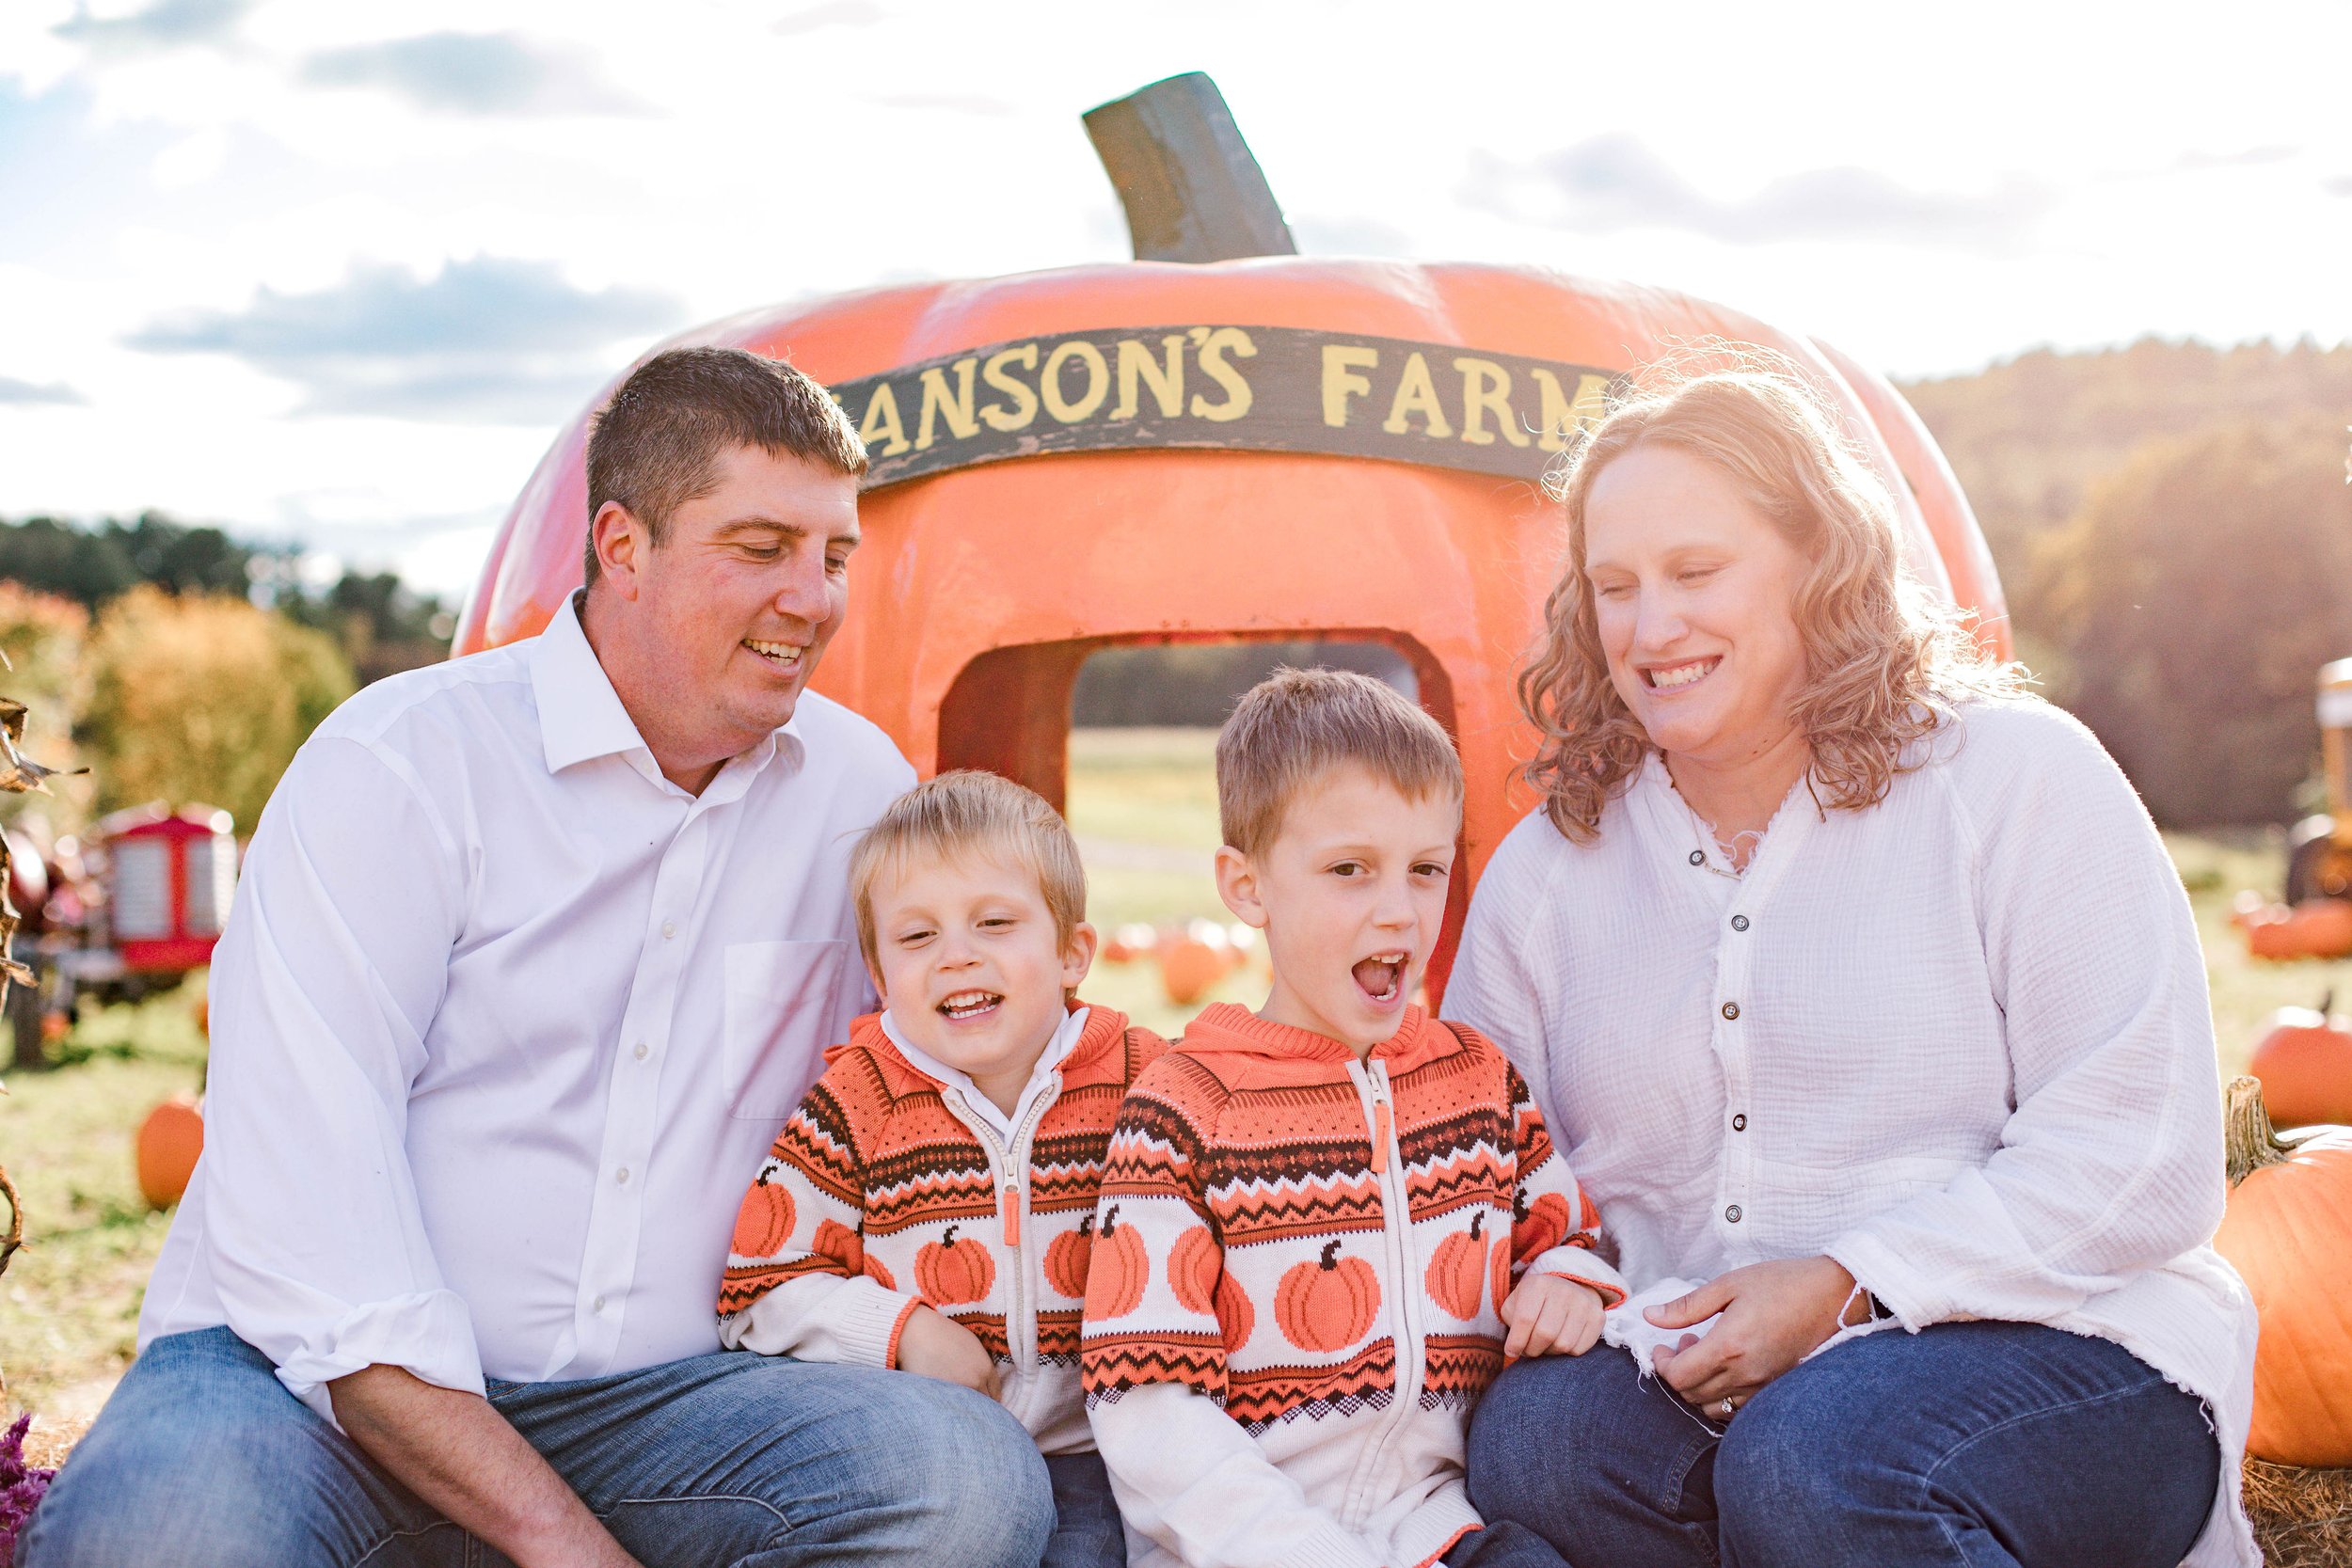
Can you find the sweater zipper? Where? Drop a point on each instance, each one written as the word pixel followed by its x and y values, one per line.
pixel 1012 1201
pixel 1396 1225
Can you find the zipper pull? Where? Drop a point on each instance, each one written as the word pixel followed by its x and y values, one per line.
pixel 1379 1135
pixel 1012 1206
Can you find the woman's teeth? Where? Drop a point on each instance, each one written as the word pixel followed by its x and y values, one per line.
pixel 784 656
pixel 970 1004
pixel 1676 677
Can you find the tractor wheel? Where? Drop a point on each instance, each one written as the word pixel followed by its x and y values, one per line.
pixel 2318 867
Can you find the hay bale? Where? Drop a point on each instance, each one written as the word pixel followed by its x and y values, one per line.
pixel 2302 1518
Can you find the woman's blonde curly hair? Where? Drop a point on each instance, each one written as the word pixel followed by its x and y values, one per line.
pixel 1883 662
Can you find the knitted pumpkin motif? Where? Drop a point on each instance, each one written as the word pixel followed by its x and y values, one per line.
pixel 880 1275
pixel 764 1223
pixel 1457 1271
pixel 1117 1271
pixel 1066 1259
pixel 1327 1304
pixel 1500 1268
pixel 1193 1266
pixel 950 1273
pixel 1540 1225
pixel 840 1244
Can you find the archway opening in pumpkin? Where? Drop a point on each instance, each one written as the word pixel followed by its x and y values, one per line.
pixel 1121 732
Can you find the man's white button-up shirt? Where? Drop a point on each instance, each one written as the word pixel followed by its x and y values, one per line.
pixel 504 1021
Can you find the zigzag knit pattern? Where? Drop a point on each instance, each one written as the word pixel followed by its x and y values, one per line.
pixel 874 1175
pixel 1243 1247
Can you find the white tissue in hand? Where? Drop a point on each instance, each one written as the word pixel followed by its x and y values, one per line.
pixel 1628 1330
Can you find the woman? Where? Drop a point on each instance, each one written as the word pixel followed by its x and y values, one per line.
pixel 1859 989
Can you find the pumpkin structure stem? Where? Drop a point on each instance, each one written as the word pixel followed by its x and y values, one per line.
pixel 2247 1136
pixel 1331 1254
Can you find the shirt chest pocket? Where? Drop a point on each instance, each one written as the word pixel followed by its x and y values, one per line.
pixel 785 1003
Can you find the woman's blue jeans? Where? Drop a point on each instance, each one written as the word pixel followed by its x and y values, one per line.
pixel 202 1460
pixel 1978 1445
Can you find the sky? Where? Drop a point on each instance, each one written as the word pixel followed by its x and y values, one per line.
pixel 334 271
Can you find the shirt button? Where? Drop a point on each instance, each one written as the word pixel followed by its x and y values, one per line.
pixel 620 1176
pixel 1739 922
pixel 596 1305
pixel 1739 1123
pixel 1732 1213
pixel 640 1050
pixel 668 930
pixel 1731 1009
pixel 1698 857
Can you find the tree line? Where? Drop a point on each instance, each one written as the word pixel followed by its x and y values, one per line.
pixel 2171 521
pixel 2174 532
pixel 182 664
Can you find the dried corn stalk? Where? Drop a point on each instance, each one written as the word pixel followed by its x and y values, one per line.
pixel 18 774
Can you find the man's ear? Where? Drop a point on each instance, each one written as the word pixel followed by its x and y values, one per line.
pixel 1237 884
pixel 621 541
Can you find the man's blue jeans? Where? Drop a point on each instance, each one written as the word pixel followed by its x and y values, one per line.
pixel 202 1460
pixel 1979 1445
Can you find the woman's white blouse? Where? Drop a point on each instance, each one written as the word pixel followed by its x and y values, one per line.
pixel 1959 1041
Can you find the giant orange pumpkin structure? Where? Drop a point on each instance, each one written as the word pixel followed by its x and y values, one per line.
pixel 1219 441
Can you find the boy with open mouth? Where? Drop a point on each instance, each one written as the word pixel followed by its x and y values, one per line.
pixel 1324 1226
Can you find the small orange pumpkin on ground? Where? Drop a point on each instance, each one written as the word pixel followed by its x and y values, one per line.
pixel 1066 1259
pixel 2285 1231
pixel 1327 1304
pixel 764 1224
pixel 170 1141
pixel 950 1273
pixel 2304 1060
pixel 1458 1270
pixel 1538 1226
pixel 1188 968
pixel 2315 929
pixel 1119 1270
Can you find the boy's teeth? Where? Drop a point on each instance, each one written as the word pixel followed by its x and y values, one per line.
pixel 1380 974
pixel 964 1004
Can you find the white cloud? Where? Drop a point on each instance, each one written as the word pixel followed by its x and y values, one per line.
pixel 1906 182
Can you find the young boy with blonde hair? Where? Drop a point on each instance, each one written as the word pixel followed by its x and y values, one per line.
pixel 1325 1225
pixel 930 1206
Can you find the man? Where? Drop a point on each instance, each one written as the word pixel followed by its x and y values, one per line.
pixel 533 953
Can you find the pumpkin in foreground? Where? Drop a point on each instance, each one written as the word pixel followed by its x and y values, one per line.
pixel 2304 1060
pixel 2286 1231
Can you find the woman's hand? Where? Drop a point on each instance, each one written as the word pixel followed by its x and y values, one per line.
pixel 1773 1315
pixel 937 1346
pixel 1551 1315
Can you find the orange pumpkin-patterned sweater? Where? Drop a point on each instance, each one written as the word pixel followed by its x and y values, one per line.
pixel 886 1191
pixel 1298 1259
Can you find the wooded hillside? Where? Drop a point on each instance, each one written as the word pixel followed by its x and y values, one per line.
pixel 2174 532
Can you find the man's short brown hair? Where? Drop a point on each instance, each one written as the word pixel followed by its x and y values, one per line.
pixel 964 813
pixel 1296 725
pixel 656 446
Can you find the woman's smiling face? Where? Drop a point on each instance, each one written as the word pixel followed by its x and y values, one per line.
pixel 1695 596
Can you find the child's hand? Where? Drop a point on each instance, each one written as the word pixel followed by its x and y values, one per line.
pixel 1548 1315
pixel 938 1346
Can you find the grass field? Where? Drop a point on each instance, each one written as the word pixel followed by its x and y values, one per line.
pixel 1144 807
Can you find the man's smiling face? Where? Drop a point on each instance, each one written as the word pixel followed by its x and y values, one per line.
pixel 732 610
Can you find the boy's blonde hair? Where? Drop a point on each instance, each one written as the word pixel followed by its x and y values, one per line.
pixel 1296 725
pixel 970 812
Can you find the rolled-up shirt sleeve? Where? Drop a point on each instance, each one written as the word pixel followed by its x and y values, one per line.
pixel 324 985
